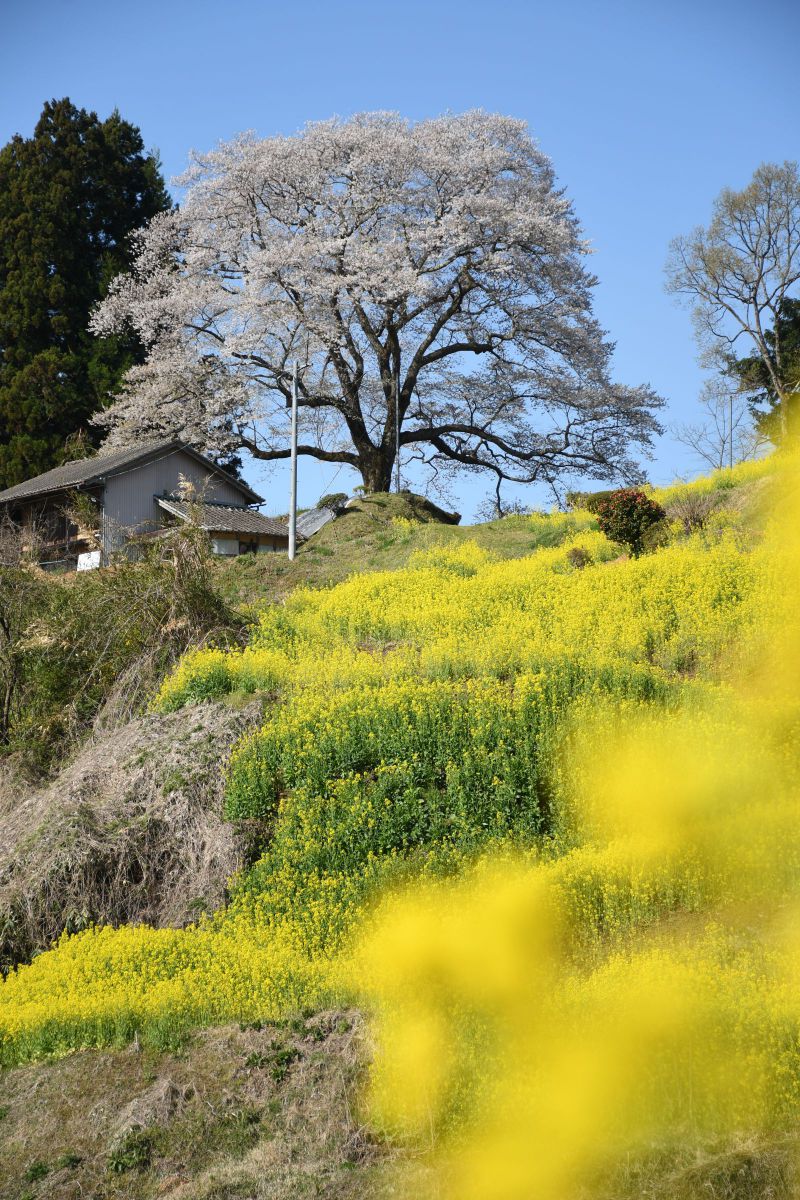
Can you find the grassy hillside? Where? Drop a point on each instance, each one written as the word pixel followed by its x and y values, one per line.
pixel 557 755
pixel 265 1112
pixel 380 533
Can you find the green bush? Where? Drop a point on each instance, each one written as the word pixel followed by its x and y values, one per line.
pixel 334 500
pixel 73 645
pixel 36 1170
pixel 588 501
pixel 626 515
pixel 133 1152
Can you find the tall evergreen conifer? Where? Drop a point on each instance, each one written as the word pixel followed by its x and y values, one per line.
pixel 69 198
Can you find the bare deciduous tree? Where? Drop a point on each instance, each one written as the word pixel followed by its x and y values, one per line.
pixel 739 272
pixel 728 434
pixel 429 275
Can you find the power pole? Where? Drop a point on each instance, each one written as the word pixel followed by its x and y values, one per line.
pixel 293 471
pixel 730 420
pixel 397 424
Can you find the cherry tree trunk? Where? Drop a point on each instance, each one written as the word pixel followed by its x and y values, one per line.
pixel 376 471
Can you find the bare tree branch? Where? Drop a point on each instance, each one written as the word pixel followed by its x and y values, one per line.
pixel 738 273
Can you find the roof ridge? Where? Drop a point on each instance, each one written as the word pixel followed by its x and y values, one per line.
pixel 82 471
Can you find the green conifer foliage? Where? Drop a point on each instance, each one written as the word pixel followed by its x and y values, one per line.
pixel 70 196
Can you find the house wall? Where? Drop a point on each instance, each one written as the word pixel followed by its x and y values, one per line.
pixel 228 544
pixel 129 496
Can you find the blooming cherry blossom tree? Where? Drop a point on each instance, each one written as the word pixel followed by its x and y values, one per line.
pixel 433 270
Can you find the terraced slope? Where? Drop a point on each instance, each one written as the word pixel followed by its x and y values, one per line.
pixel 558 755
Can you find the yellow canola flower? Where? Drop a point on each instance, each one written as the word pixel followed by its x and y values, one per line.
pixel 455 612
pixel 667 1035
pixel 442 700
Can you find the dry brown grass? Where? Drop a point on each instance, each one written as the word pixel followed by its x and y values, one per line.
pixel 275 1112
pixel 219 1122
pixel 132 830
pixel 744 1168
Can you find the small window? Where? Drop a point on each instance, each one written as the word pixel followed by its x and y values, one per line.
pixel 248 547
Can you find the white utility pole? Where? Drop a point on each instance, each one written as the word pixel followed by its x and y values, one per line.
pixel 397 425
pixel 293 471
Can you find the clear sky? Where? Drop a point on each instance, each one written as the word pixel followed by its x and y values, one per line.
pixel 646 107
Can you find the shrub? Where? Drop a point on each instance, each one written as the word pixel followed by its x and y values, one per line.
pixel 132 1152
pixel 693 508
pixel 578 557
pixel 588 501
pixel 36 1170
pixel 334 500
pixel 626 515
pixel 80 649
pixel 655 536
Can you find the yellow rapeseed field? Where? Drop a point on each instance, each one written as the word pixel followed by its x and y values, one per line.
pixel 540 816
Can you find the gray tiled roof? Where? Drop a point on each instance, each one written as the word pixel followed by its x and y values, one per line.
pixel 222 518
pixel 91 470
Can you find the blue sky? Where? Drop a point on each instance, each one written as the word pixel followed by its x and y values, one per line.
pixel 647 109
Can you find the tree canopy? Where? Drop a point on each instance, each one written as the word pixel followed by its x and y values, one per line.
pixel 432 269
pixel 755 376
pixel 70 195
pixel 740 275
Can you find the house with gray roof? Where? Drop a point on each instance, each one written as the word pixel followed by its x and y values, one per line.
pixel 132 493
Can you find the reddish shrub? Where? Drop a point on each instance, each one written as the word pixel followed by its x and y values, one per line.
pixel 626 515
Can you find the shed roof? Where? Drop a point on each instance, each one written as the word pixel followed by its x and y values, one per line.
pixel 224 518
pixel 311 521
pixel 86 471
